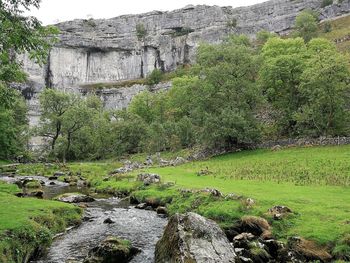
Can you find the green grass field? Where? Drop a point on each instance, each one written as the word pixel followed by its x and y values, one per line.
pixel 27 224
pixel 313 181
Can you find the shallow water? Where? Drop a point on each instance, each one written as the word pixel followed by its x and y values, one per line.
pixel 50 191
pixel 143 228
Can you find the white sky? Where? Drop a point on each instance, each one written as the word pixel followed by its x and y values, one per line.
pixel 53 11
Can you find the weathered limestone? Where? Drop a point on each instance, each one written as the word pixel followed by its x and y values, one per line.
pixel 193 238
pixel 108 50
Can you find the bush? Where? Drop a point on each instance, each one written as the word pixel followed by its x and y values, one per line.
pixel 327 27
pixel 326 3
pixel 140 31
pixel 155 77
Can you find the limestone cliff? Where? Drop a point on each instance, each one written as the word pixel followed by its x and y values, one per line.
pixel 111 50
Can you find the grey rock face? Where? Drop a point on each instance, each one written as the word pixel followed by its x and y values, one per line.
pixel 193 238
pixel 109 50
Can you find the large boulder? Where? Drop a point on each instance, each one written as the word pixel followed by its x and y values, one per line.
pixel 74 198
pixel 112 250
pixel 192 238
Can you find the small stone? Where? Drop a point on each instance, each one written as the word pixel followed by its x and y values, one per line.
pixel 141 206
pixel 246 236
pixel 108 221
pixel 58 174
pixel 162 210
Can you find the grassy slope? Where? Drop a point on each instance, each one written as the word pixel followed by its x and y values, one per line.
pixel 340 29
pixel 275 180
pixel 27 223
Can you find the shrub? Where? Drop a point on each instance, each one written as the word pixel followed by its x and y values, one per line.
pixel 155 77
pixel 326 3
pixel 140 31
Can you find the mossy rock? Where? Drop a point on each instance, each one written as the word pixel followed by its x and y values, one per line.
pixel 33 184
pixel 112 249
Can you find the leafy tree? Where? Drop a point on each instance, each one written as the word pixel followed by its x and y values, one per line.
pixel 226 96
pixel 306 25
pixel 53 104
pixel 18 34
pixel 280 77
pixel 13 122
pixel 307 85
pixel 324 83
pixel 263 36
pixel 73 120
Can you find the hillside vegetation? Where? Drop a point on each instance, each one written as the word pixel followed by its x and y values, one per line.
pixel 339 32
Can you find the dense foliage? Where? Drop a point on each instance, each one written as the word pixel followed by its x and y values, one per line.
pixel 220 103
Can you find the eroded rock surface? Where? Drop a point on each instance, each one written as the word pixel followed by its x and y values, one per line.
pixel 193 238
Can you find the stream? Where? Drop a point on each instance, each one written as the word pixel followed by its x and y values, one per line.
pixel 143 228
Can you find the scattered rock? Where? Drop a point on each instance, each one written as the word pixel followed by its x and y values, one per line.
pixel 108 221
pixel 162 210
pixel 278 212
pixel 52 183
pixel 111 250
pixel 212 191
pixel 149 161
pixel 38 194
pixel 232 196
pixel 58 174
pixel 204 172
pixel 51 178
pixel 74 198
pixel 121 170
pixel 276 148
pixel 148 207
pixel 33 184
pixel 148 179
pixel 244 236
pixel 163 162
pixel 249 202
pixel 307 250
pixel 178 161
pixel 141 206
pixel 193 238
pixel 255 225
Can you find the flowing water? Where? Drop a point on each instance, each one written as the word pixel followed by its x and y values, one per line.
pixel 143 228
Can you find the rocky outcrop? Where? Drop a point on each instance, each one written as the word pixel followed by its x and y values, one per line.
pixel 192 238
pixel 112 50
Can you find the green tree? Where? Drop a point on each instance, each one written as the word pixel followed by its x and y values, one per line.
pixel 263 36
pixel 306 25
pixel 13 122
pixel 74 119
pixel 325 85
pixel 53 105
pixel 280 77
pixel 18 35
pixel 226 96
